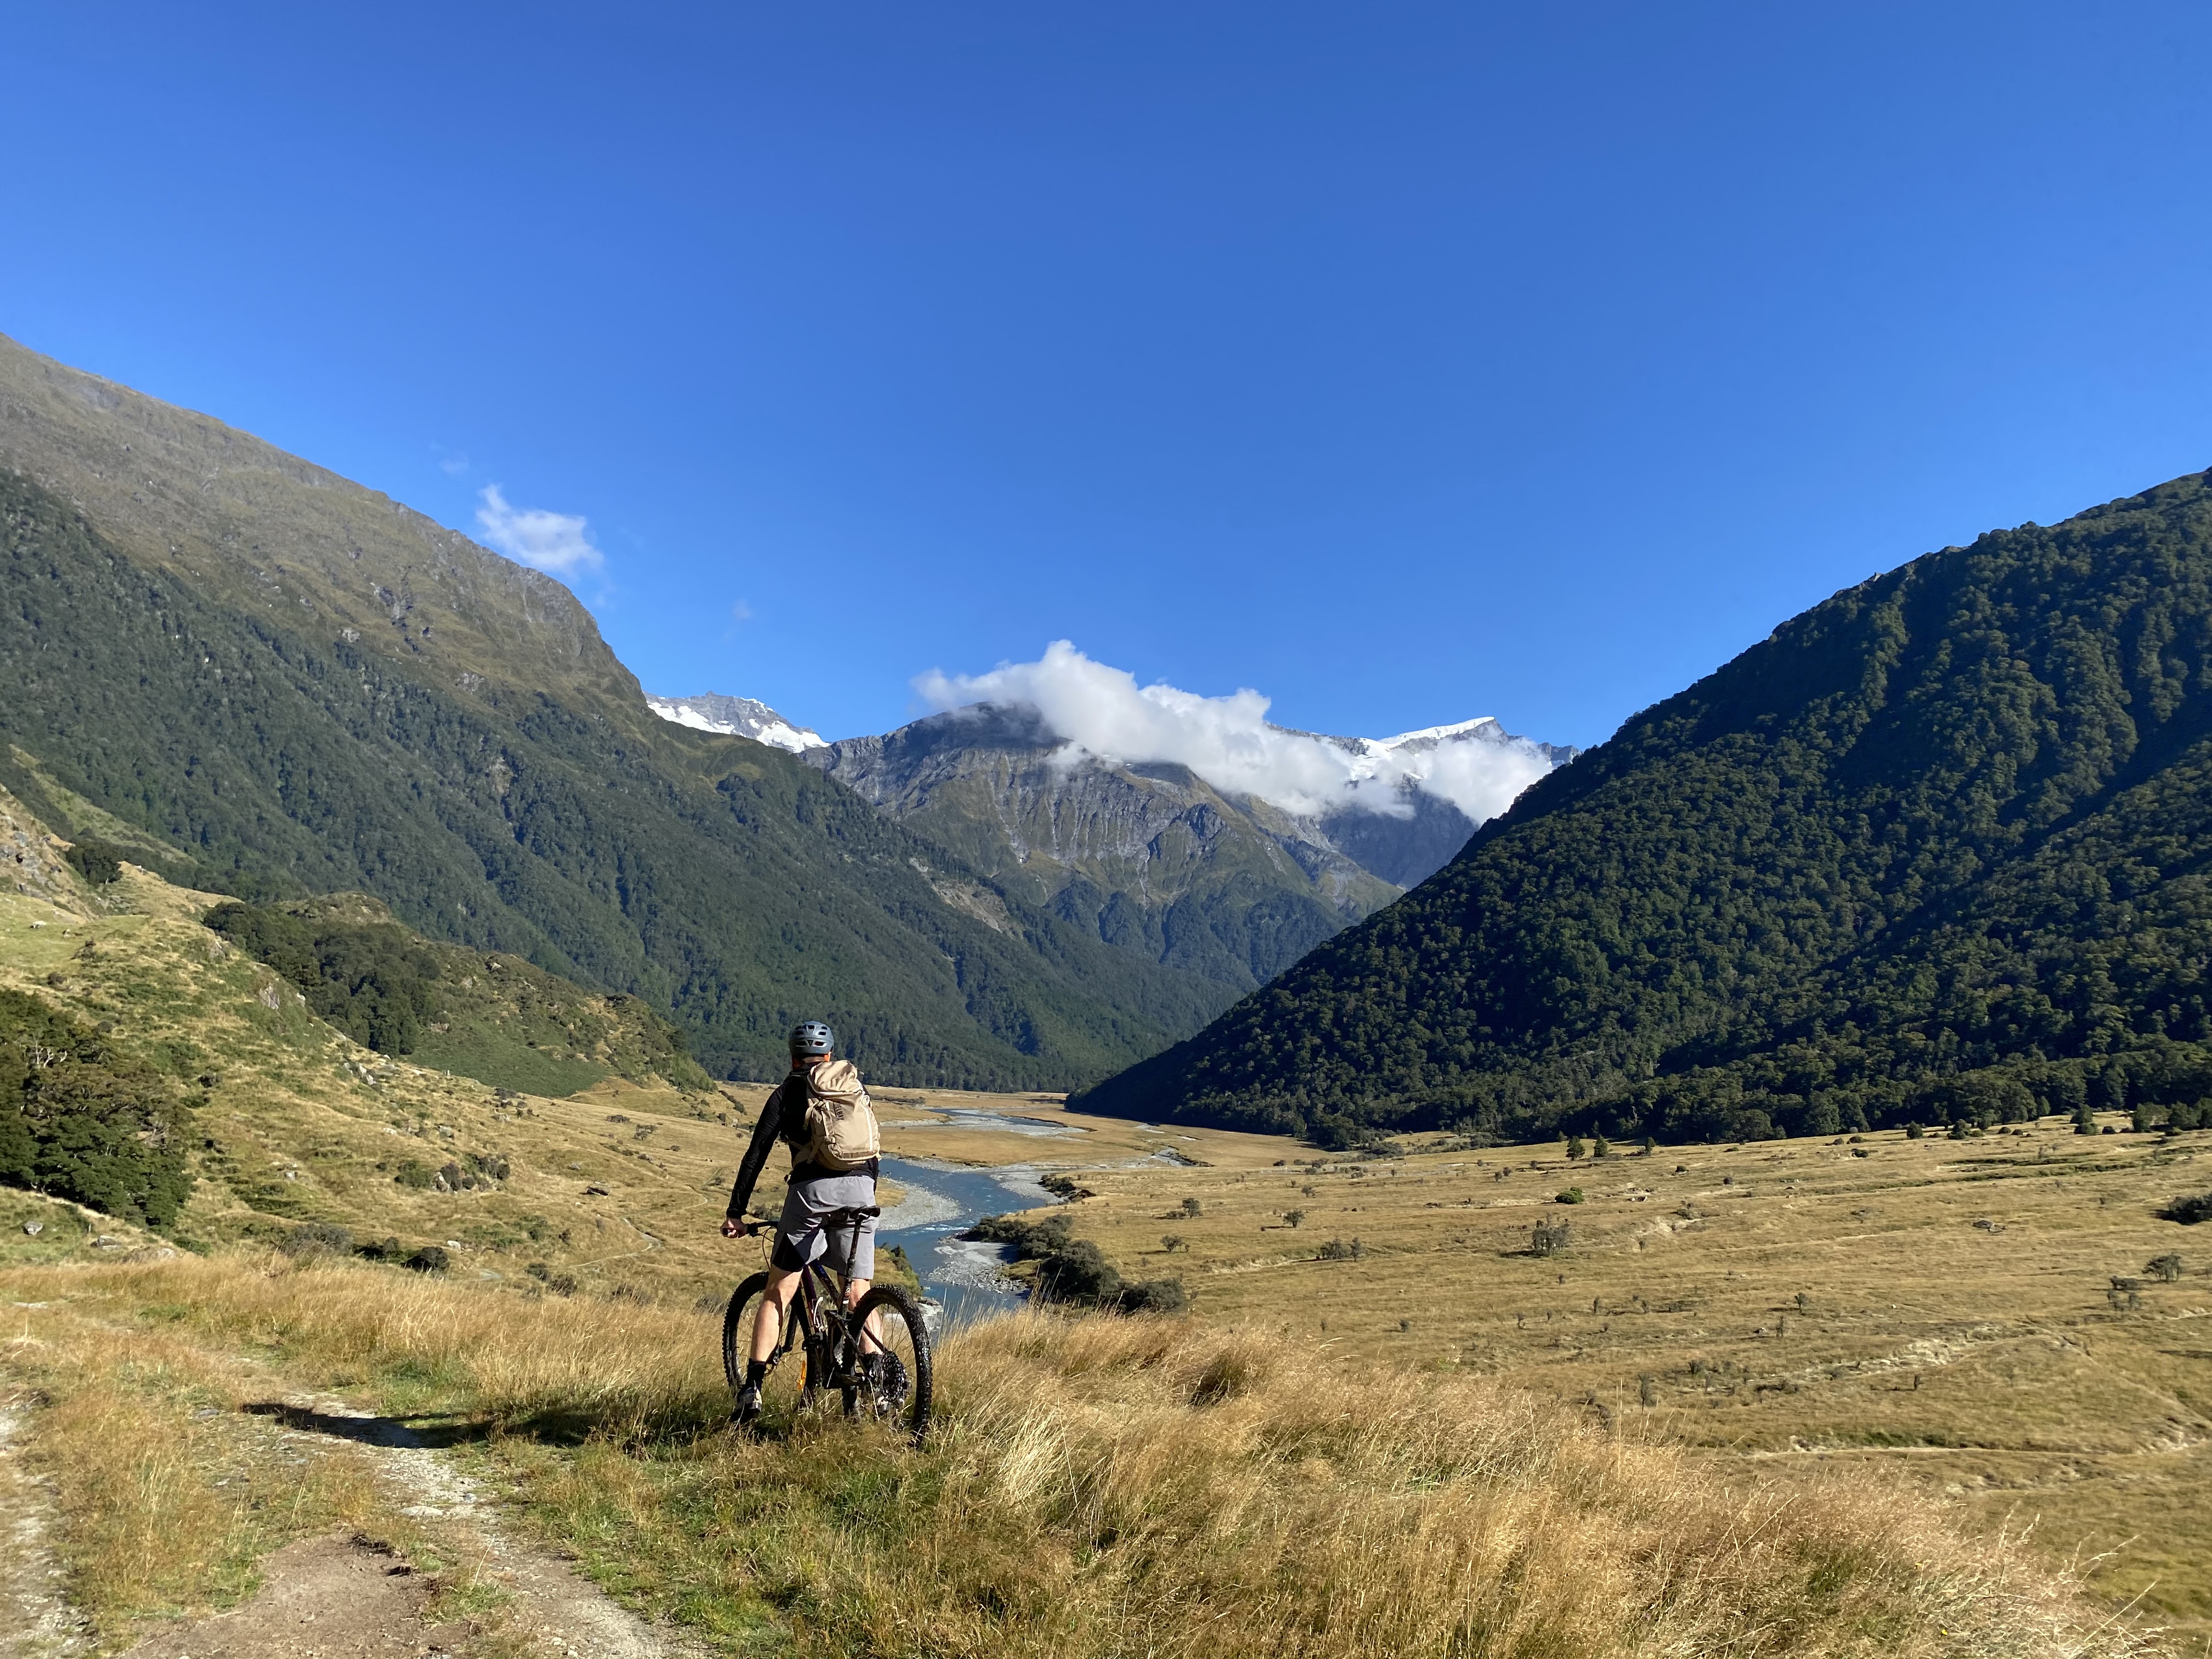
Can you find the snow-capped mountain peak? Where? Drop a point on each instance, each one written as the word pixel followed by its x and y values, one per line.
pixel 736 717
pixel 1430 735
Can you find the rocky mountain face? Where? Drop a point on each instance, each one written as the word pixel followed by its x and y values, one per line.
pixel 736 717
pixel 1151 857
pixel 272 681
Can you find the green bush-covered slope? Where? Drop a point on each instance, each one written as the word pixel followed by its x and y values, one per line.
pixel 298 686
pixel 81 1121
pixel 478 1013
pixel 1937 848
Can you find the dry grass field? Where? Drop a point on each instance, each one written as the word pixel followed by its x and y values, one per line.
pixel 1095 1487
pixel 1942 1311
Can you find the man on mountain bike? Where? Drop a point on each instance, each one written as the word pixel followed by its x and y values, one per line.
pixel 811 1111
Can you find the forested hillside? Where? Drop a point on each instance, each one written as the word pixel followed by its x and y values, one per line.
pixel 263 679
pixel 1936 849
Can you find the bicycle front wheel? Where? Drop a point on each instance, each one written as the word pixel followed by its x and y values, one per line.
pixel 893 1383
pixel 791 1381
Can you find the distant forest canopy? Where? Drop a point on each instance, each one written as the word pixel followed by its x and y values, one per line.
pixel 1935 851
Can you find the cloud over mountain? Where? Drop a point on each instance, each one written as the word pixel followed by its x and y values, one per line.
pixel 1101 711
pixel 559 543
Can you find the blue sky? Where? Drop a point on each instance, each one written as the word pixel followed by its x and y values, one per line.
pixel 1403 362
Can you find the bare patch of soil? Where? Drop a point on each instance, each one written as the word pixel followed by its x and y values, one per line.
pixel 349 1598
pixel 320 1598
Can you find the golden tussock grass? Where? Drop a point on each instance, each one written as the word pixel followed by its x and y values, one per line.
pixel 1938 1313
pixel 1106 1486
pixel 618 1366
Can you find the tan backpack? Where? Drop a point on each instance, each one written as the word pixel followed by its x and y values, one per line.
pixel 841 1124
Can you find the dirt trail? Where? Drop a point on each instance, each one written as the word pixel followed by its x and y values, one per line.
pixel 323 1598
pixel 336 1598
pixel 320 1598
pixel 36 1620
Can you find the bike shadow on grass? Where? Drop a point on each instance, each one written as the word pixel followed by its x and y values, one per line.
pixel 430 1429
pixel 438 1430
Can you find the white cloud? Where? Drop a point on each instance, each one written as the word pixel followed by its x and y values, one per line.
pixel 1480 774
pixel 557 543
pixel 741 612
pixel 1102 711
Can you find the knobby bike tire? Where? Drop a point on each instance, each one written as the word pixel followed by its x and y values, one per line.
pixel 894 1304
pixel 794 1378
pixel 736 1329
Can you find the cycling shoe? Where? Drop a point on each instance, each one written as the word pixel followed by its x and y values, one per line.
pixel 748 1406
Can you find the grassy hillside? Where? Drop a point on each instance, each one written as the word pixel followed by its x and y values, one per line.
pixel 1936 850
pixel 280 1120
pixel 275 684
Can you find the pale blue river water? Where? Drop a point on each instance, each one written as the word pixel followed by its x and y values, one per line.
pixel 967 1280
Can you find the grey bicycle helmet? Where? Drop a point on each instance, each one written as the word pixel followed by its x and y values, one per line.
pixel 812 1037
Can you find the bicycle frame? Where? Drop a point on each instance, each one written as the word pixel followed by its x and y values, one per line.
pixel 806 1321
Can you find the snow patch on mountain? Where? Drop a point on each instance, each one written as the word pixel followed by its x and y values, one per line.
pixel 736 717
pixel 1477 766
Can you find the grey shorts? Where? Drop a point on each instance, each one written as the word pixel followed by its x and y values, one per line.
pixel 801 1237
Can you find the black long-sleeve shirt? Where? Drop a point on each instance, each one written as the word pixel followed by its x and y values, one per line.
pixel 783 1116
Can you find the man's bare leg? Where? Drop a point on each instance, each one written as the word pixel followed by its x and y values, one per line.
pixel 854 1290
pixel 776 1302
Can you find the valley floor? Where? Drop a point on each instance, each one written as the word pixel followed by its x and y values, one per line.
pixel 1934 1317
pixel 1942 1311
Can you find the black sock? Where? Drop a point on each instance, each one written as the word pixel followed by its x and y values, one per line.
pixel 754 1370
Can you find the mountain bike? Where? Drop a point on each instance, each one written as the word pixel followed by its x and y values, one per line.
pixel 875 1357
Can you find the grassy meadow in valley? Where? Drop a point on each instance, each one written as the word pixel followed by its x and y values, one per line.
pixel 1979 1319
pixel 1716 1407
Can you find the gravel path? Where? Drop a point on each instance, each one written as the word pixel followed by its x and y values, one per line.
pixel 36 1620
pixel 323 1598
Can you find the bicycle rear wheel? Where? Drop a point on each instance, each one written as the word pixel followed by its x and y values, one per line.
pixel 894 1383
pixel 791 1381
